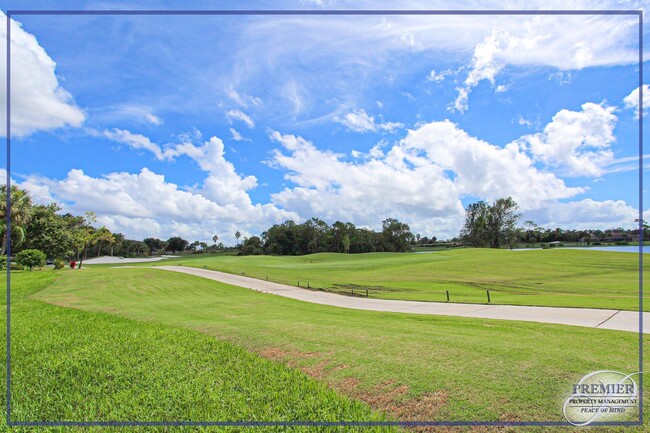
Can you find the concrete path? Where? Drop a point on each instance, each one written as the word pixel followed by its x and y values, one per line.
pixel 105 260
pixel 587 317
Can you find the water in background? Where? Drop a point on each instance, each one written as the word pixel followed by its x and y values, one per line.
pixel 615 249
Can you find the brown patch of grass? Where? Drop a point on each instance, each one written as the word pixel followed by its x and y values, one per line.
pixel 277 354
pixel 387 397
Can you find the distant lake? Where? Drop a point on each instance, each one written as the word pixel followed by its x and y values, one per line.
pixel 615 249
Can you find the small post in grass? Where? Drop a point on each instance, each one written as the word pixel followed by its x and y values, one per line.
pixel 267 278
pixel 366 293
pixel 308 285
pixel 353 291
pixel 447 295
pixel 488 294
pixel 298 283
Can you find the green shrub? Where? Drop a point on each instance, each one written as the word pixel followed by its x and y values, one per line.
pixel 16 266
pixel 59 264
pixel 3 262
pixel 31 258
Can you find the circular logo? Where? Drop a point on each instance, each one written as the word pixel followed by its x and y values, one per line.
pixel 603 395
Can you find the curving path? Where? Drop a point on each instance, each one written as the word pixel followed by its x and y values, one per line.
pixel 588 317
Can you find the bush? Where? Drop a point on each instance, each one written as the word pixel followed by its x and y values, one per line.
pixel 3 262
pixel 31 258
pixel 16 266
pixel 597 243
pixel 59 264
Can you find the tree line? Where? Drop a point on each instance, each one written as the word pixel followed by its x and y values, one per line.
pixel 37 227
pixel 64 236
pixel 497 225
pixel 316 236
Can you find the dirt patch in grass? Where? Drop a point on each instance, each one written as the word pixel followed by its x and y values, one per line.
pixel 278 354
pixel 389 397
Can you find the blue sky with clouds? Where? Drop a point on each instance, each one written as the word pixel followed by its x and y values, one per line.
pixel 196 125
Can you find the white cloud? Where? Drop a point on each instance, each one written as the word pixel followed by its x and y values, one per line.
pixel 420 180
pixel 631 101
pixel 241 116
pixel 501 88
pixel 145 204
pixel 543 40
pixel 485 170
pixel 236 135
pixel 577 141
pixel 438 77
pixel 38 101
pixel 360 121
pixel 136 141
pixel 524 122
pixel 562 77
pixel 242 100
pixel 585 214
pixel 153 119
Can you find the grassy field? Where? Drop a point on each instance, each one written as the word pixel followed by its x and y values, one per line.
pixel 408 366
pixel 92 366
pixel 559 278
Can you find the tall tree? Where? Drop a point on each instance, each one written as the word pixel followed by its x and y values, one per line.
pixel 237 235
pixel 85 235
pixel 397 236
pixel 176 243
pixel 103 235
pixel 474 231
pixel 502 222
pixel 491 225
pixel 154 244
pixel 50 232
pixel 21 212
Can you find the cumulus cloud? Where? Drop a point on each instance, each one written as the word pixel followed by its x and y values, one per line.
pixel 420 179
pixel 579 142
pixel 145 204
pixel 364 192
pixel 38 102
pixel 241 116
pixel 483 169
pixel 585 214
pixel 360 121
pixel 631 101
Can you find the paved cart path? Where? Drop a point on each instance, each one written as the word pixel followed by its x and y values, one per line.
pixel 588 317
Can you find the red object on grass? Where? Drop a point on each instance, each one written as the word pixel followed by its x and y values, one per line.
pixel 73 264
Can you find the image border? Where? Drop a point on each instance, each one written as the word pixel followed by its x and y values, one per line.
pixel 10 423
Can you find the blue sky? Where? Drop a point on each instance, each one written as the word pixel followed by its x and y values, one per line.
pixel 198 125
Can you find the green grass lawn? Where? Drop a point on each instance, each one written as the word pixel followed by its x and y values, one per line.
pixel 73 365
pixel 410 366
pixel 559 278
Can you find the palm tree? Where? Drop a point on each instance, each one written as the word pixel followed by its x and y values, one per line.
pixel 103 234
pixel 215 238
pixel 237 235
pixel 21 212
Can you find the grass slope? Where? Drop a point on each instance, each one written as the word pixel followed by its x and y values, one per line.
pixel 558 278
pixel 413 366
pixel 91 366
